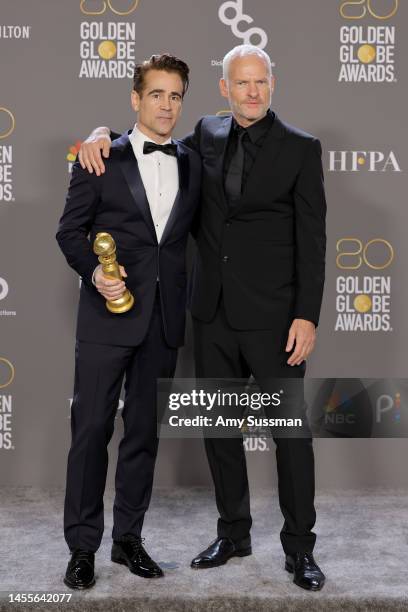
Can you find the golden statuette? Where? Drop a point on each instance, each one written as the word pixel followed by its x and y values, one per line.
pixel 104 246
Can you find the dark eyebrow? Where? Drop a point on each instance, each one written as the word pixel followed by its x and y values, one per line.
pixel 155 91
pixel 173 93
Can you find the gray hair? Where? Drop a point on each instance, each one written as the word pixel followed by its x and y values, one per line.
pixel 241 51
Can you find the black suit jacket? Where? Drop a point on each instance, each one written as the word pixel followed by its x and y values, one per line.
pixel 116 202
pixel 267 253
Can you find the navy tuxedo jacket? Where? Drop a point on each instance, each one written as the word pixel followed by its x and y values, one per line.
pixel 116 202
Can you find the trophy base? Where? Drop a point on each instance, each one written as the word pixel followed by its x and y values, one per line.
pixel 123 304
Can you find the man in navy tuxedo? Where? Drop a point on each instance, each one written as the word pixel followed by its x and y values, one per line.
pixel 146 200
pixel 256 289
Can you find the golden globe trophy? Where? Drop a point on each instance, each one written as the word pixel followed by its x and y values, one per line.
pixel 104 246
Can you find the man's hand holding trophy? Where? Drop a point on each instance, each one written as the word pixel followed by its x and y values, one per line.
pixel 120 299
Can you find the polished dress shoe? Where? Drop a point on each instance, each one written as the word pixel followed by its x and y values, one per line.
pixel 130 552
pixel 80 570
pixel 219 552
pixel 307 574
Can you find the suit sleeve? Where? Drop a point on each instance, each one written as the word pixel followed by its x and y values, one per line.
pixel 310 228
pixel 76 221
pixel 193 141
pixel 196 176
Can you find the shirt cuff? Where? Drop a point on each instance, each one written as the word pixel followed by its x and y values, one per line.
pixel 93 276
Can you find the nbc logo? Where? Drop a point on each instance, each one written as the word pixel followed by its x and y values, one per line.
pixel 72 153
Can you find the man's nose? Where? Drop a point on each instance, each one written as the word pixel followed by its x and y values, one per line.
pixel 165 105
pixel 253 90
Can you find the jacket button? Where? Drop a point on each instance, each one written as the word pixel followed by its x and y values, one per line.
pixel 228 223
pixel 225 258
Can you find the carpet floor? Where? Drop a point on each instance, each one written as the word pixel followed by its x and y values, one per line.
pixel 362 538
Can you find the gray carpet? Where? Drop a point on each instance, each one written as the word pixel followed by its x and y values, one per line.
pixel 361 547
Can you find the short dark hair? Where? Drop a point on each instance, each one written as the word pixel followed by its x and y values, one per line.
pixel 165 61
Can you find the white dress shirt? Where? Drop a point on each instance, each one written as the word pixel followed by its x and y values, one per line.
pixel 160 178
pixel 159 173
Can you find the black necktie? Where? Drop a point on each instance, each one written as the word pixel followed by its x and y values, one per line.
pixel 168 149
pixel 233 179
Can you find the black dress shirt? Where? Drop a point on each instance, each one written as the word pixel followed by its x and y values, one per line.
pixel 251 143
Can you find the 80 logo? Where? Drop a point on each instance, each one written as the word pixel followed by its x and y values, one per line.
pixel 347 9
pixel 99 7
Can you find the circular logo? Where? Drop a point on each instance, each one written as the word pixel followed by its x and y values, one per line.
pixel 366 54
pixel 238 17
pixel 107 49
pixel 3 288
pixel 11 373
pixel 362 303
pixel 10 129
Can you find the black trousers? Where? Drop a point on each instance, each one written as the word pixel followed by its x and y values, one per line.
pixel 222 352
pixel 99 373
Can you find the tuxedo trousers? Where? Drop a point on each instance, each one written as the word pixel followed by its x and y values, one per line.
pixel 99 374
pixel 224 352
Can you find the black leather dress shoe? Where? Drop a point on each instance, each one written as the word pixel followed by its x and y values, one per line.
pixel 219 552
pixel 80 570
pixel 307 574
pixel 130 552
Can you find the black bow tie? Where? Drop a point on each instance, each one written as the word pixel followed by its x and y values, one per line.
pixel 168 149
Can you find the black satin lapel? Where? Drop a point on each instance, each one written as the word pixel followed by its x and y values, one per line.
pixel 131 173
pixel 220 146
pixel 184 177
pixel 183 168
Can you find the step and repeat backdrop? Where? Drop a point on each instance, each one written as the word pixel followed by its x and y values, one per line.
pixel 66 67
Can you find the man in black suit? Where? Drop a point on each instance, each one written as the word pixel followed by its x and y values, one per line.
pixel 146 199
pixel 256 289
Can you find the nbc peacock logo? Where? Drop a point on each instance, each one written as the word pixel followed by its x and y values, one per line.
pixel 72 153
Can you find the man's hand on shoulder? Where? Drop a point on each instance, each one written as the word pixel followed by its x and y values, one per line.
pixel 302 336
pixel 110 288
pixel 90 152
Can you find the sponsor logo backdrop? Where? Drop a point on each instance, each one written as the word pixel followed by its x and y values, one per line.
pixel 66 68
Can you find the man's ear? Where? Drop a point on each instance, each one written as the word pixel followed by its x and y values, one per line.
pixel 135 100
pixel 272 84
pixel 223 88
